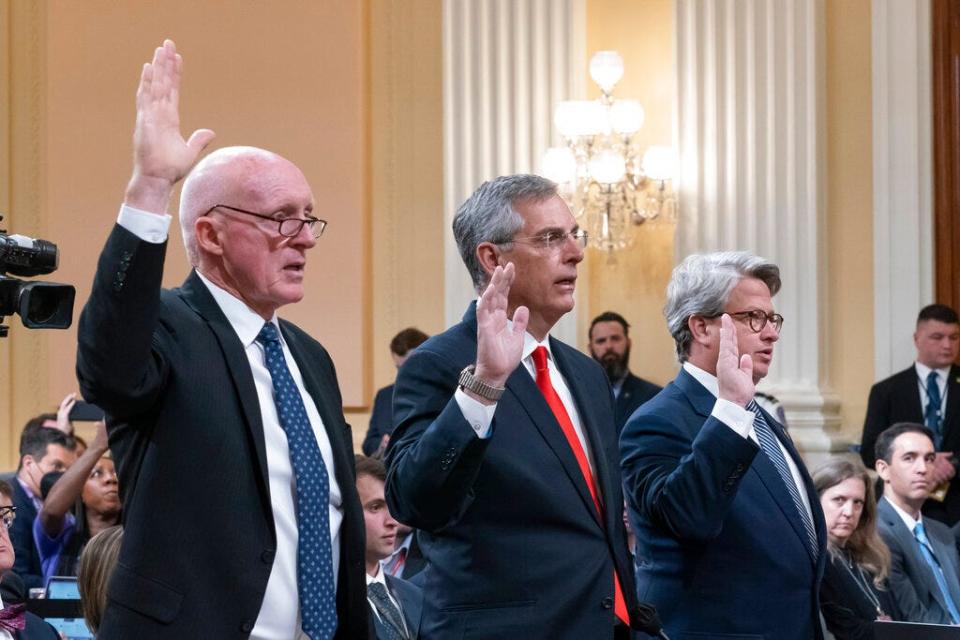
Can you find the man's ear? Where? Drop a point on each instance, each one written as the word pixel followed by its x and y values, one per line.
pixel 699 329
pixel 488 254
pixel 883 469
pixel 206 232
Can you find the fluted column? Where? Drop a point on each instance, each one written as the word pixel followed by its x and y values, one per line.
pixel 750 125
pixel 505 64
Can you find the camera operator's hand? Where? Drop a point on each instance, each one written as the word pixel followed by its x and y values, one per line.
pixel 63 414
pixel 161 157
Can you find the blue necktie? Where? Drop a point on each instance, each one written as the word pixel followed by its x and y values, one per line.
pixel 771 447
pixel 932 414
pixel 389 614
pixel 315 585
pixel 926 550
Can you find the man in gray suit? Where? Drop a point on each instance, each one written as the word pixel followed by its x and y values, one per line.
pixel 924 571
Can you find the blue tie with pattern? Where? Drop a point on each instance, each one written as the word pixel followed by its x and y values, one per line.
pixel 771 447
pixel 315 585
pixel 932 414
pixel 926 550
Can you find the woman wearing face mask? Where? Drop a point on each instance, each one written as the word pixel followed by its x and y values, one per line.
pixel 853 593
pixel 81 503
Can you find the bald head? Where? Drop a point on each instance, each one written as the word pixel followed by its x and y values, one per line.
pixel 236 176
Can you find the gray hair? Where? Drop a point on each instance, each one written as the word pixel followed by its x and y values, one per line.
pixel 488 215
pixel 701 285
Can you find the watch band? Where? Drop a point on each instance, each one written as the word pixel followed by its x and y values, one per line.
pixel 469 382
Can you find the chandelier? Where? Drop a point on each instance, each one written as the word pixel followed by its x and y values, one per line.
pixel 602 175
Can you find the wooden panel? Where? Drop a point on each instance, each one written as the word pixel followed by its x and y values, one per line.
pixel 945 26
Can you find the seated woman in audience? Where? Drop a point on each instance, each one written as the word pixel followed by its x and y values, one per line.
pixel 89 487
pixel 853 593
pixel 97 561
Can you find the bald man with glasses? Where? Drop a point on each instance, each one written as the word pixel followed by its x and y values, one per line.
pixel 241 514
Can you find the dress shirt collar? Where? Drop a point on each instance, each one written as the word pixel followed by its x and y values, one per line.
pixel 37 502
pixel 923 371
pixel 908 520
pixel 530 343
pixel 377 578
pixel 708 380
pixel 244 320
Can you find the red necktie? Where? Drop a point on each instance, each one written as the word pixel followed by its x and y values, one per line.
pixel 566 425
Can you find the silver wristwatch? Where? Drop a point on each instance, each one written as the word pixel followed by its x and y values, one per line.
pixel 470 382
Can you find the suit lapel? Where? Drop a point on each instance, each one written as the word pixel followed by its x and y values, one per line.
pixel 911 550
pixel 198 297
pixel 943 553
pixel 951 419
pixel 590 422
pixel 322 390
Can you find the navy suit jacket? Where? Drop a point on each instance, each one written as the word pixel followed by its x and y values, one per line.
pixel 381 420
pixel 27 561
pixel 721 548
pixel 514 543
pixel 897 399
pixel 634 392
pixel 186 430
pixel 410 598
pixel 912 582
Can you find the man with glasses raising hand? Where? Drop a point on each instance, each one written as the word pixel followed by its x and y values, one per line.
pixel 240 509
pixel 730 534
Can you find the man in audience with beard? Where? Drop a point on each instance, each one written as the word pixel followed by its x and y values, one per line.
pixel 609 337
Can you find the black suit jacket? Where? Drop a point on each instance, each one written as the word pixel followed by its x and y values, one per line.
pixel 27 562
pixel 514 544
pixel 634 392
pixel 897 399
pixel 381 420
pixel 186 431
pixel 410 598
pixel 846 609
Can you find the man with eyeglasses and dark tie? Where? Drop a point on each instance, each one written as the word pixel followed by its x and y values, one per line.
pixel 240 510
pixel 504 451
pixel 927 392
pixel 730 535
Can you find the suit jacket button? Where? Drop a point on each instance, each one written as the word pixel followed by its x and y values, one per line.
pixel 267 556
pixel 607 603
pixel 246 627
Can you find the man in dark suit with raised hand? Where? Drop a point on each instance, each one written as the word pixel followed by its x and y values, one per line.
pixel 927 392
pixel 730 535
pixel 609 342
pixel 203 383
pixel 504 454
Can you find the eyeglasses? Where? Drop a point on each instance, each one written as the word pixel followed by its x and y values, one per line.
pixel 8 515
pixel 553 240
pixel 758 319
pixel 288 227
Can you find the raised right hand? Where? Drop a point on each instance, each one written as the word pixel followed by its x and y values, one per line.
pixel 161 157
pixel 499 346
pixel 734 372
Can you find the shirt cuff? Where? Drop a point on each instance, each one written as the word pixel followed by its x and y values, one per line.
pixel 149 227
pixel 734 416
pixel 478 415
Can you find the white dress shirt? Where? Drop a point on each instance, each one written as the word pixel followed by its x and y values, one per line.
pixel 480 416
pixel 741 421
pixel 908 519
pixel 279 617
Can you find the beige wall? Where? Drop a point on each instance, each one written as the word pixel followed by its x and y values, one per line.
pixel 289 76
pixel 643 34
pixel 849 232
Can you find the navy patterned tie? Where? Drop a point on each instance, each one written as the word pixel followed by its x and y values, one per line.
pixel 771 447
pixel 315 585
pixel 932 414
pixel 389 614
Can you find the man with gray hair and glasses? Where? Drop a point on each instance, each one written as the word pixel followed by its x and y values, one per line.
pixel 730 535
pixel 504 454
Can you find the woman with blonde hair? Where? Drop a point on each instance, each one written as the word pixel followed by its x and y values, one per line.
pixel 97 561
pixel 853 593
